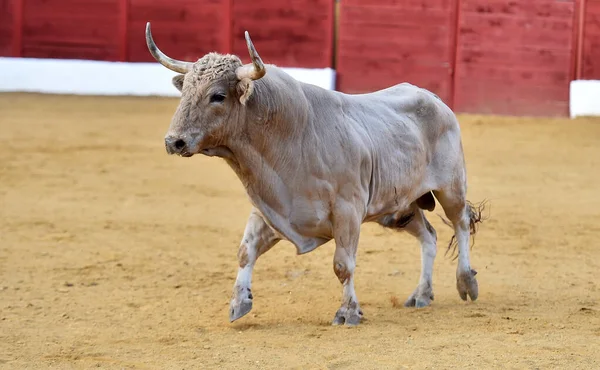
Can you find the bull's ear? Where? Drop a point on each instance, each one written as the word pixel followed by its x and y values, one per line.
pixel 178 82
pixel 245 88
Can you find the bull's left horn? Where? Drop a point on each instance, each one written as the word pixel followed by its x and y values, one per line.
pixel 257 69
pixel 172 64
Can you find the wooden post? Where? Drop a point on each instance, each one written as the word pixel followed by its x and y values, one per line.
pixel 454 61
pixel 580 37
pixel 228 14
pixel 123 29
pixel 330 45
pixel 17 29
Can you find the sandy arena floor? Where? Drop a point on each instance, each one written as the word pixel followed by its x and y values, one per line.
pixel 115 255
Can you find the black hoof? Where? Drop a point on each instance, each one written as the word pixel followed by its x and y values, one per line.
pixel 239 310
pixel 466 284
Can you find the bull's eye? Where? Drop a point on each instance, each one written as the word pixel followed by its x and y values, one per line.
pixel 217 98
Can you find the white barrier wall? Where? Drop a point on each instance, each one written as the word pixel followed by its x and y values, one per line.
pixel 85 77
pixel 584 99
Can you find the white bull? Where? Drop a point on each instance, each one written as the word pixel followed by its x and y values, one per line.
pixel 316 164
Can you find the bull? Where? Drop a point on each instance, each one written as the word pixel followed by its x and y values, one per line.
pixel 316 164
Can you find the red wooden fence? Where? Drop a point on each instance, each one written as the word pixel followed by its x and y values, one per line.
pixel 590 68
pixel 295 33
pixel 6 27
pixel 76 29
pixel 385 42
pixel 492 56
pixel 483 56
pixel 183 29
pixel 514 57
pixel 292 33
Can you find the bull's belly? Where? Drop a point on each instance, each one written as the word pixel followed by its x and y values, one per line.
pixel 374 212
pixel 307 223
pixel 393 201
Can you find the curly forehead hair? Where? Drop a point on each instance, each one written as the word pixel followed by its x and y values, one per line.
pixel 214 65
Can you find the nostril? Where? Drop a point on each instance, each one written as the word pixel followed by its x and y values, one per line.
pixel 179 144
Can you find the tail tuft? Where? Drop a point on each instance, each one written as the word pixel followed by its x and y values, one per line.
pixel 475 218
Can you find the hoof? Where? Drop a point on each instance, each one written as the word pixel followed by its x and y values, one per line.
pixel 240 309
pixel 466 284
pixel 420 298
pixel 347 316
pixel 420 303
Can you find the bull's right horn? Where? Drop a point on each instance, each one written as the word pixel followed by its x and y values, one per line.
pixel 255 70
pixel 172 64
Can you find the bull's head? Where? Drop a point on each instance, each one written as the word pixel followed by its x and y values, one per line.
pixel 214 92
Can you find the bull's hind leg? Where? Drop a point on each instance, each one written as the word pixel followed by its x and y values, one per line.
pixel 453 201
pixel 346 236
pixel 258 238
pixel 421 229
pixel 415 223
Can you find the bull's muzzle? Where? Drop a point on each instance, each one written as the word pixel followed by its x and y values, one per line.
pixel 185 146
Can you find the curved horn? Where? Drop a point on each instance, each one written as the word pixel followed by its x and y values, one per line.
pixel 255 70
pixel 172 64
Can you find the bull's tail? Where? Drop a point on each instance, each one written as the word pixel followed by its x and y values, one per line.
pixel 475 218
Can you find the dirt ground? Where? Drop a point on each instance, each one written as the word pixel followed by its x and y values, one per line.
pixel 115 255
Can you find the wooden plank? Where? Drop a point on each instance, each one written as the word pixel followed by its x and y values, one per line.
pixel 456 19
pixel 494 30
pixel 577 50
pixel 6 27
pixel 82 30
pixel 507 105
pixel 531 8
pixel 368 76
pixel 407 19
pixel 71 7
pixel 123 29
pixel 402 4
pixel 591 41
pixel 18 28
pixel 501 99
pixel 525 57
pixel 228 14
pixel 495 77
pixel 70 51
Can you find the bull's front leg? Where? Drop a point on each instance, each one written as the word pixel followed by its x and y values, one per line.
pixel 258 238
pixel 346 234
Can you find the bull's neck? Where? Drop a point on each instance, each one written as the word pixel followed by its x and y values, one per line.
pixel 274 130
pixel 270 149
